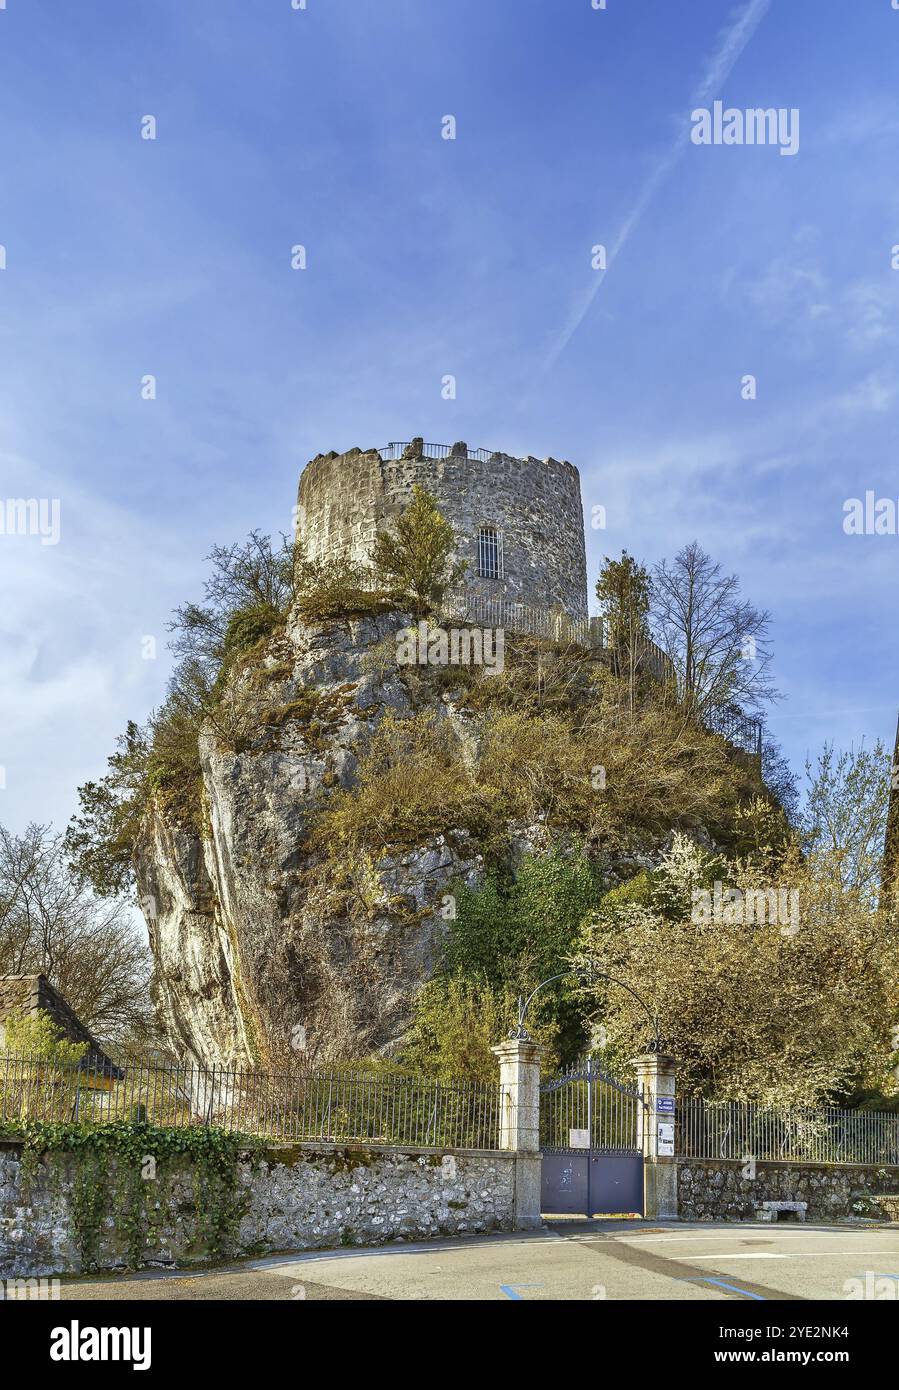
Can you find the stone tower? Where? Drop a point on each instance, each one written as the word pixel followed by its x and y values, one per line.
pixel 519 521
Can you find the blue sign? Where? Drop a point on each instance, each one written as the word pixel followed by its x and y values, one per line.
pixel 664 1105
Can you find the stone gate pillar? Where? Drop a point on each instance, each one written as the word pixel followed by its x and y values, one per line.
pixel 655 1134
pixel 519 1122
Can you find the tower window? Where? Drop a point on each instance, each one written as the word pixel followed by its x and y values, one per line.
pixel 490 553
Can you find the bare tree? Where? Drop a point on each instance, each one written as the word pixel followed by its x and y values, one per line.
pixel 717 641
pixel 256 576
pixel 90 949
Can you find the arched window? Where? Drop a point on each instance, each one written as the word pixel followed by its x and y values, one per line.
pixel 490 553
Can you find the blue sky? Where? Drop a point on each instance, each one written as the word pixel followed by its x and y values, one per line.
pixel 429 257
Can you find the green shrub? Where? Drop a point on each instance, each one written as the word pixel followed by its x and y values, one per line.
pixel 456 1021
pixel 516 932
pixel 250 625
pixel 38 1036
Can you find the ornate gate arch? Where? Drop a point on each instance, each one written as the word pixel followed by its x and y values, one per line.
pixel 590 1128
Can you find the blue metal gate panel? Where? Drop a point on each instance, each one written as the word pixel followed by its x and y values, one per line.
pixel 564 1180
pixel 615 1184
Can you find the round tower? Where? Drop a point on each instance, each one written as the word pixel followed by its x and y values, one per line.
pixel 519 521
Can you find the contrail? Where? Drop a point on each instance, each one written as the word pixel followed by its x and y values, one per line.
pixel 731 43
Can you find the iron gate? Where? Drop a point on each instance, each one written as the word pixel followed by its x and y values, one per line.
pixel 590 1128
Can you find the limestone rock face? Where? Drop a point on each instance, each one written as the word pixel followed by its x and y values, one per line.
pixel 253 954
pixel 194 972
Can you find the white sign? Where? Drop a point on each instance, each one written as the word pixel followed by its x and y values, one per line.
pixel 579 1139
pixel 666 1140
pixel 666 1150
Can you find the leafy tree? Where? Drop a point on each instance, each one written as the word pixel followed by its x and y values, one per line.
pixel 762 830
pixel 161 759
pixel 415 559
pixel 845 814
pixel 456 1020
pixel 100 838
pixel 624 590
pixel 516 934
pixel 245 598
pixel 250 587
pixel 37 1036
pixel 717 641
pixel 752 1008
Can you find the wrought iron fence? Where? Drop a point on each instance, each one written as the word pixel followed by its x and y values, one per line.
pixel 743 1130
pixel 582 1102
pixel 329 1105
pixel 392 452
pixel 650 657
pixel 468 605
pixel 740 730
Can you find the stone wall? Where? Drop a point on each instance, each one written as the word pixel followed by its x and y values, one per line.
pixel 716 1190
pixel 297 1197
pixel 535 504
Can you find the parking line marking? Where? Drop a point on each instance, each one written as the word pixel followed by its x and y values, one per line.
pixel 756 1255
pixel 731 1288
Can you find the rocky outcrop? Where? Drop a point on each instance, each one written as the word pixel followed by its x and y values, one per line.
pixel 255 952
pixel 273 942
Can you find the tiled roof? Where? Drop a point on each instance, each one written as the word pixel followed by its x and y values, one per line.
pixel 32 994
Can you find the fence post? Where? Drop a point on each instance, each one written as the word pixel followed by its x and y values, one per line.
pixel 655 1134
pixel 519 1123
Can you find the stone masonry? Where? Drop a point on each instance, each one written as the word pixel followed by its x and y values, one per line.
pixel 297 1197
pixel 535 504
pixel 716 1190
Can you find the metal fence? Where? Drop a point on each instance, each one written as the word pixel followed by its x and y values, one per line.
pixel 740 730
pixel 743 1130
pixel 329 1105
pixel 468 605
pixel 392 452
pixel 555 624
pixel 588 1105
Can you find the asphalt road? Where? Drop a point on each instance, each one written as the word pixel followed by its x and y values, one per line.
pixel 570 1259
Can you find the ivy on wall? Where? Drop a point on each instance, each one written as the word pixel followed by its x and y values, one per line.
pixel 125 1171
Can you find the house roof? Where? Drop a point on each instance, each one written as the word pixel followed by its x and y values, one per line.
pixel 29 995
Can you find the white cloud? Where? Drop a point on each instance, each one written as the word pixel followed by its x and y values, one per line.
pixel 875 394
